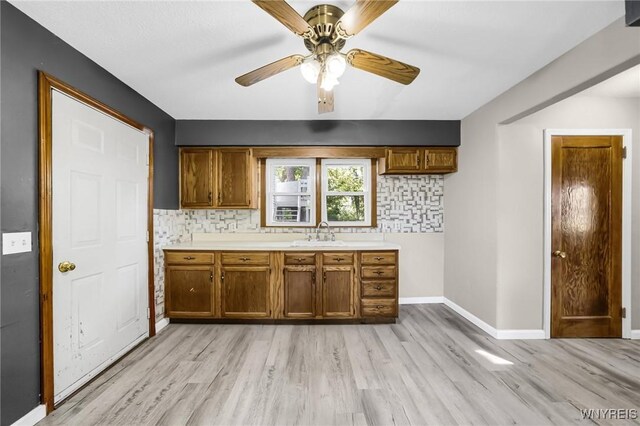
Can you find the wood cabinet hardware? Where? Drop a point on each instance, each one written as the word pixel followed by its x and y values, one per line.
pixel 211 277
pixel 210 198
pixel 300 259
pixel 379 287
pixel 189 258
pixel 192 290
pixel 324 276
pixel 379 306
pixel 219 199
pixel 338 259
pixel 378 272
pixel 378 258
pixel 222 276
pixel 244 259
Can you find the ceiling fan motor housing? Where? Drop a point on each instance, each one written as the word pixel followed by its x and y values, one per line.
pixel 323 19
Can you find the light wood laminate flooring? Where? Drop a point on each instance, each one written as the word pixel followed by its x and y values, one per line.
pixel 426 369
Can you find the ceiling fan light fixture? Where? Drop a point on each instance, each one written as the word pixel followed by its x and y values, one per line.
pixel 328 81
pixel 310 70
pixel 336 64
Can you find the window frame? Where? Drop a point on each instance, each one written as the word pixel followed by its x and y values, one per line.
pixel 369 190
pixel 269 192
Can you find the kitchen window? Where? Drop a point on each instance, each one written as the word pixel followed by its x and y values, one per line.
pixel 290 192
pixel 346 192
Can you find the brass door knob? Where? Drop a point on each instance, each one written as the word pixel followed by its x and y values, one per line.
pixel 66 266
pixel 560 254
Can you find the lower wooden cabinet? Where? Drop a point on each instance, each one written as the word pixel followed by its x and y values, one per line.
pixel 299 292
pixel 281 285
pixel 189 291
pixel 246 291
pixel 337 291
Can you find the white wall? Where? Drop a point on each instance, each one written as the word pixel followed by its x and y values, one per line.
pixel 520 210
pixel 475 233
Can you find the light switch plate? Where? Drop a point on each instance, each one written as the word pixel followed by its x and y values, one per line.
pixel 16 242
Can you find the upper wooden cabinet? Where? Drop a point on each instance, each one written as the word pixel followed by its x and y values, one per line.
pixel 196 178
pixel 218 178
pixel 409 161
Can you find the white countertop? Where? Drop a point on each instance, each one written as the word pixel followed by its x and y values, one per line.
pixel 280 246
pixel 282 241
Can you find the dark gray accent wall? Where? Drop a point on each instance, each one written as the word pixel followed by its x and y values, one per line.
pixel 27 47
pixel 317 132
pixel 632 15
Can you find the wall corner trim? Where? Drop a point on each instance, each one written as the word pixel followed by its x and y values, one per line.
pixel 635 334
pixel 420 300
pixel 32 417
pixel 161 324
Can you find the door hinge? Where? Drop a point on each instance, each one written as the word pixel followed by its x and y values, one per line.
pixel 623 312
pixel 624 152
pixel 148 313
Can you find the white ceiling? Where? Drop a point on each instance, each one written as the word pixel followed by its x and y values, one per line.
pixel 184 55
pixel 623 85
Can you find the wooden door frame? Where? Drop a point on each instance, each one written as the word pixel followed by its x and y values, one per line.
pixel 626 220
pixel 46 85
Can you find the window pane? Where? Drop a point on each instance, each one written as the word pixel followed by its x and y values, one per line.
pixel 291 208
pixel 345 208
pixel 291 179
pixel 345 178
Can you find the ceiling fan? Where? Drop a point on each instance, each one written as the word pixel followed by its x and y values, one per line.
pixel 325 28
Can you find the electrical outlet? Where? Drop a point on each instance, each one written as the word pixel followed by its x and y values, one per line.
pixel 16 242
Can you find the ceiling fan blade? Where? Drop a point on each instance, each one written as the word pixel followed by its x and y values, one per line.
pixel 360 15
pixel 325 99
pixel 283 12
pixel 382 66
pixel 270 70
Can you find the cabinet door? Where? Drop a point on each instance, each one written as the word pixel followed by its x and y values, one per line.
pixel 234 177
pixel 402 160
pixel 196 178
pixel 246 292
pixel 440 160
pixel 189 291
pixel 337 291
pixel 299 291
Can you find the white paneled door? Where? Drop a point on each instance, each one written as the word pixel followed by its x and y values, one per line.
pixel 100 301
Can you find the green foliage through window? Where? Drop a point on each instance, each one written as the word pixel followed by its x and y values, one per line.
pixel 348 207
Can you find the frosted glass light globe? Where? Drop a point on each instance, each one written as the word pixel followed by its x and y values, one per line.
pixel 328 82
pixel 310 70
pixel 336 65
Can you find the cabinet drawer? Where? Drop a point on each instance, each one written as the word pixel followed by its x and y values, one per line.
pixel 379 288
pixel 186 258
pixel 337 258
pixel 379 258
pixel 379 307
pixel 378 272
pixel 251 258
pixel 299 258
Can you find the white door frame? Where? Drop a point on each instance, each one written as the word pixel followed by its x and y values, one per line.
pixel 626 221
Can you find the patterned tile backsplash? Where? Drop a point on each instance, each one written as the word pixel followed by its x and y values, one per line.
pixel 406 204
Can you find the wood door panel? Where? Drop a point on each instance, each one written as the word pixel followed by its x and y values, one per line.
pixel 337 258
pixel 246 258
pixel 196 178
pixel 402 160
pixel 246 292
pixel 379 288
pixel 440 160
pixel 378 258
pixel 378 272
pixel 234 177
pixel 300 258
pixel 586 234
pixel 188 258
pixel 189 291
pixel 299 291
pixel 337 291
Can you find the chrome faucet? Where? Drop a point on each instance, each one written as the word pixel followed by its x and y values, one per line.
pixel 333 237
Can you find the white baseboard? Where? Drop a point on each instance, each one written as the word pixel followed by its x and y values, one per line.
pixel 420 300
pixel 161 324
pixel 32 417
pixel 635 334
pixel 490 330
pixel 521 334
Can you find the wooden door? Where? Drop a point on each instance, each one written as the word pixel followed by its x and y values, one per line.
pixel 299 291
pixel 246 292
pixel 189 291
pixel 402 160
pixel 337 291
pixel 586 283
pixel 234 177
pixel 99 230
pixel 440 160
pixel 196 178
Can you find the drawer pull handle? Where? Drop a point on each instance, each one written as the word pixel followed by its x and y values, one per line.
pixel 379 306
pixel 244 259
pixel 378 258
pixel 300 259
pixel 338 259
pixel 189 258
pixel 192 290
pixel 379 287
pixel 378 273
